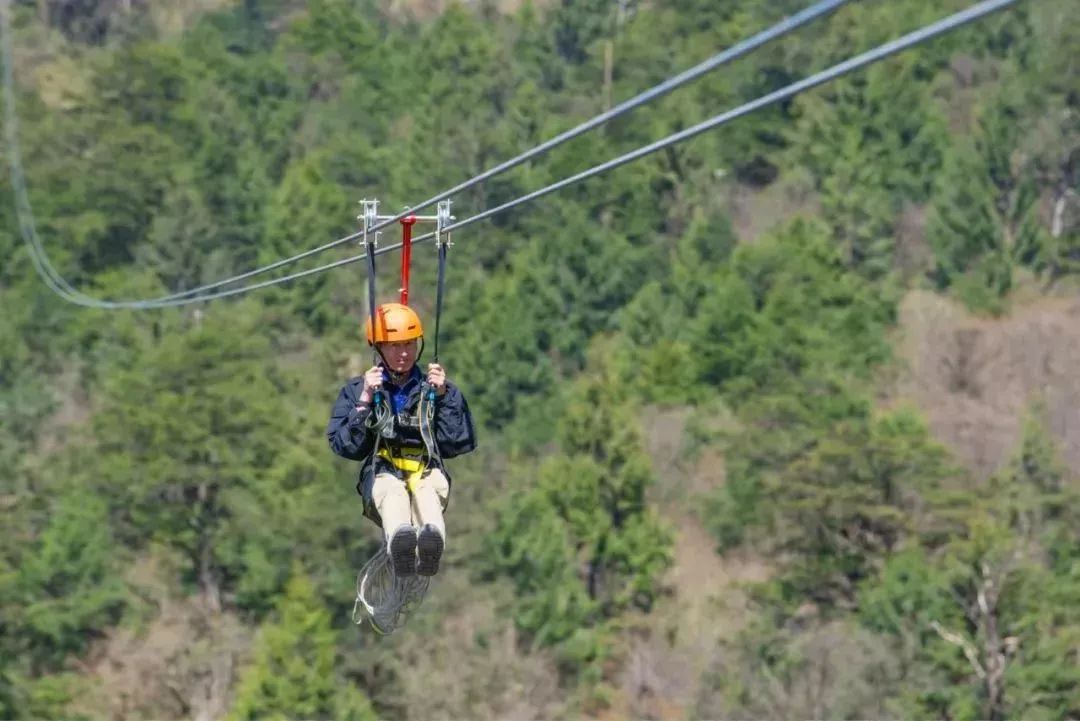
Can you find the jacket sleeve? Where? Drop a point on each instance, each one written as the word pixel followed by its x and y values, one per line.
pixel 454 430
pixel 347 430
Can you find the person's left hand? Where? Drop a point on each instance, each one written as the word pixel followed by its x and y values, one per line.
pixel 436 376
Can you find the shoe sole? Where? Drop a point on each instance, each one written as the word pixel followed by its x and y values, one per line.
pixel 403 552
pixel 431 548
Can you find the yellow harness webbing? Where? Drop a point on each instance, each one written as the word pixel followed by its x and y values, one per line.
pixel 414 464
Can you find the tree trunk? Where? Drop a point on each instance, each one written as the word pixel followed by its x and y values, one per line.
pixel 208 581
pixel 990 660
pixel 209 586
pixel 993 656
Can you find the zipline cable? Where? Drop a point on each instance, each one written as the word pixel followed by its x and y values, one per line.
pixel 881 52
pixel 738 50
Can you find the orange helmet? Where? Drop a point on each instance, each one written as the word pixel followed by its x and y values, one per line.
pixel 394 322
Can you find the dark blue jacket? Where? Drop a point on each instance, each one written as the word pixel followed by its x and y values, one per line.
pixel 350 437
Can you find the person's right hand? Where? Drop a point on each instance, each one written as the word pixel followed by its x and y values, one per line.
pixel 372 383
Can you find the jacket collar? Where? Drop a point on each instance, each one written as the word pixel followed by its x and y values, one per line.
pixel 412 377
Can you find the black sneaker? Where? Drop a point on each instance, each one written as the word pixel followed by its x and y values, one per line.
pixel 430 550
pixel 403 551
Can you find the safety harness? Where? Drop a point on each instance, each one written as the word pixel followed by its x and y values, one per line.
pixel 411 461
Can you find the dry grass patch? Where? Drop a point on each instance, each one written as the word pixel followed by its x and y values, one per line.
pixel 975 377
pixel 754 212
pixel 666 654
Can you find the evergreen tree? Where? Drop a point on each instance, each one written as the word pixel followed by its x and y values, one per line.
pixel 873 143
pixel 187 437
pixel 581 543
pixel 986 600
pixel 169 144
pixel 983 221
pixel 846 505
pixel 67 586
pixel 293 674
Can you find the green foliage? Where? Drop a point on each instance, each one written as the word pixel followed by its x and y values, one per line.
pixel 906 597
pixel 983 222
pixel 67 585
pixel 337 31
pixel 50 696
pixel 773 311
pixel 791 334
pixel 985 611
pixel 293 672
pixel 786 321
pixel 579 543
pixel 801 309
pixel 835 670
pixel 844 506
pixel 872 143
pixel 187 438
pixel 160 159
pixel 147 83
pixel 577 25
pixel 509 372
pixel 657 330
pixel 534 545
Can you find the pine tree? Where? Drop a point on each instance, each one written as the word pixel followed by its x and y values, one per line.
pixel 873 143
pixel 67 587
pixel 848 504
pixel 582 544
pixel 983 610
pixel 293 674
pixel 187 437
pixel 983 221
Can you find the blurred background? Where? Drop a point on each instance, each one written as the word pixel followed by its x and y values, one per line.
pixel 781 422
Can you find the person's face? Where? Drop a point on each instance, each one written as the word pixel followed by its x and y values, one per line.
pixel 400 355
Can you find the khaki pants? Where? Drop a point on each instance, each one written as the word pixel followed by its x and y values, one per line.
pixel 430 495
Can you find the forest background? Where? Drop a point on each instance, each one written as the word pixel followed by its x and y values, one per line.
pixel 782 422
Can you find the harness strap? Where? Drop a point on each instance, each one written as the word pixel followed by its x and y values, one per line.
pixel 426 413
pixel 442 239
pixel 406 255
pixel 439 285
pixel 368 217
pixel 413 465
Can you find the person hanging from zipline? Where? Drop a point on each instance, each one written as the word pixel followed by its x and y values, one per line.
pixel 402 426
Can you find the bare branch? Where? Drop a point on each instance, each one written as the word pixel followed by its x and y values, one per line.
pixel 957 640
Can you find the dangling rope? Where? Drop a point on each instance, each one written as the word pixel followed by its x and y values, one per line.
pixel 383 599
pixel 426 413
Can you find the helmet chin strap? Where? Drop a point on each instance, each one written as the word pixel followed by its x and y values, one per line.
pixel 394 375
